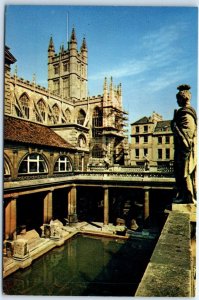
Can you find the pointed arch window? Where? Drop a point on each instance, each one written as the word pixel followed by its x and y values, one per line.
pixel 25 104
pixel 63 164
pixel 33 163
pixel 55 109
pixel 81 117
pixel 42 108
pixel 97 122
pixel 68 115
pixel 81 142
pixel 97 152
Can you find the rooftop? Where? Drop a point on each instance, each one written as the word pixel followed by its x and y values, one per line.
pixel 24 131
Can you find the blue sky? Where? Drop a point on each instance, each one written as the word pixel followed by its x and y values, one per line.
pixel 150 50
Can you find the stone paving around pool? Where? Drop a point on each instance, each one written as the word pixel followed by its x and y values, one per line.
pixel 28 246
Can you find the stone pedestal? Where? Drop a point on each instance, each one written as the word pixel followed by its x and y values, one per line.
pixel 21 251
pixel 72 219
pixel 55 232
pixel 46 231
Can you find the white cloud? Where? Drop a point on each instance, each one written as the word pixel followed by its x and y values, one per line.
pixel 156 50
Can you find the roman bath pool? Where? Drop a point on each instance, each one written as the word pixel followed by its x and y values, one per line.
pixel 85 266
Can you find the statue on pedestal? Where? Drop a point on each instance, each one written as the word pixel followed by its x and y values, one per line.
pixel 184 127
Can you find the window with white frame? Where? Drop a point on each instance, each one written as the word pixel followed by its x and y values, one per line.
pixel 33 163
pixel 63 164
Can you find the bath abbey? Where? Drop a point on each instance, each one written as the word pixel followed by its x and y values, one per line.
pixel 69 168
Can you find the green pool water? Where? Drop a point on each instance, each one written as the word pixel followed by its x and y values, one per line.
pixel 85 266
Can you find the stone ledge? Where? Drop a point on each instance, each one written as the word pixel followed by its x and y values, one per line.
pixel 186 208
pixel 169 272
pixel 165 280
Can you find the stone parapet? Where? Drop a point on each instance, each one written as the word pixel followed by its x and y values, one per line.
pixel 169 272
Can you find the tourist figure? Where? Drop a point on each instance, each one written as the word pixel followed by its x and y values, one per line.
pixel 184 127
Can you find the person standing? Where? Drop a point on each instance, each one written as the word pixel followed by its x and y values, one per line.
pixel 184 127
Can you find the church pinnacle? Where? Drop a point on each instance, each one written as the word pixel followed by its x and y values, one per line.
pixel 84 46
pixel 51 47
pixel 73 36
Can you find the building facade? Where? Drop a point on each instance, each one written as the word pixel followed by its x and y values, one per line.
pixel 93 125
pixel 53 138
pixel 152 141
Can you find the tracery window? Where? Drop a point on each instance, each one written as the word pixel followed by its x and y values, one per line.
pixel 25 104
pixel 42 109
pixel 63 164
pixel 56 69
pixel 65 88
pixel 55 109
pixel 65 67
pixel 56 87
pixel 97 152
pixel 97 122
pixel 81 117
pixel 33 163
pixel 68 115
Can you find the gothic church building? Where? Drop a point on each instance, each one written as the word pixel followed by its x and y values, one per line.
pixel 49 133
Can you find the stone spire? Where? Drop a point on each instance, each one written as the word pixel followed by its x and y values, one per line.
pixel 73 36
pixel 84 46
pixel 73 41
pixel 105 84
pixel 51 48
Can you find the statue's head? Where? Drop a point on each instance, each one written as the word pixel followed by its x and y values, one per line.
pixel 184 95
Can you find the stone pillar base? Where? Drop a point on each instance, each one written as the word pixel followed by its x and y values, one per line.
pixel 72 219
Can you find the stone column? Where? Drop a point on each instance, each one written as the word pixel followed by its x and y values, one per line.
pixel 106 205
pixel 72 205
pixel 146 203
pixel 48 207
pixel 10 218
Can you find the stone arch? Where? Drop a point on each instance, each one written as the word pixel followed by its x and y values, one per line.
pixel 81 117
pixel 56 112
pixel 81 141
pixel 97 151
pixel 8 167
pixel 42 109
pixel 24 101
pixel 68 115
pixel 33 163
pixel 97 122
pixel 63 163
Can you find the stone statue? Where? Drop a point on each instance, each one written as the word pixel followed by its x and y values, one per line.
pixel 184 127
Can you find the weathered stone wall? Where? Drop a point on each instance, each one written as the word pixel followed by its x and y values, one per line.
pixel 169 272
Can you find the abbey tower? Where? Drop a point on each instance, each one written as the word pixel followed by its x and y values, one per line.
pixel 67 70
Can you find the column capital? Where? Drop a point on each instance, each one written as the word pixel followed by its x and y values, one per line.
pixel 146 188
pixel 14 196
pixel 105 186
